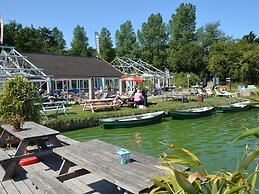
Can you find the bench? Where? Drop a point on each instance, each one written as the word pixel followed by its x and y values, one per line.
pixel 47 183
pixel 3 157
pixel 53 107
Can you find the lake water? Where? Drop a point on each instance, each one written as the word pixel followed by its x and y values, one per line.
pixel 209 137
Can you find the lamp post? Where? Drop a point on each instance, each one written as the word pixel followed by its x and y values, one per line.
pixel 188 78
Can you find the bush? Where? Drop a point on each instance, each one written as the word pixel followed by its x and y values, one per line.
pixel 18 102
pixel 180 79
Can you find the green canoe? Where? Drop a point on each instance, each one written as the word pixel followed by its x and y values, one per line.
pixel 131 121
pixel 236 107
pixel 192 113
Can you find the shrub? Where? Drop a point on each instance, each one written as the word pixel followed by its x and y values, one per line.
pixel 18 102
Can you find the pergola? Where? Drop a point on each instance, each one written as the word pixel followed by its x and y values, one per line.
pixel 12 64
pixel 136 66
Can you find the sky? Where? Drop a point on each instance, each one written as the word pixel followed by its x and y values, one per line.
pixel 237 17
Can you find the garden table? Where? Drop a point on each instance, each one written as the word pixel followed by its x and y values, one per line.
pixel 31 132
pixel 99 157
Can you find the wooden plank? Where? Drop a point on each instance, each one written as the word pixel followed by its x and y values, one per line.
pixel 21 173
pixel 99 184
pixel 48 183
pixel 2 189
pixel 3 155
pixel 22 187
pixel 122 175
pixel 66 140
pixel 10 187
pixel 31 130
pixel 69 183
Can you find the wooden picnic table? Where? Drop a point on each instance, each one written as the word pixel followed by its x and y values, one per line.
pixel 94 104
pixel 176 95
pixel 101 158
pixel 31 132
pixel 54 107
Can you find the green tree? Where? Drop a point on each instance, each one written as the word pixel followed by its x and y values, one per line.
pixel 210 34
pixel 125 40
pixel 60 43
pixel 184 54
pixel 206 37
pixel 182 24
pixel 238 60
pixel 48 40
pixel 79 44
pixel 153 40
pixel 10 32
pixel 250 38
pixel 29 39
pixel 223 57
pixel 188 58
pixel 249 65
pixel 106 50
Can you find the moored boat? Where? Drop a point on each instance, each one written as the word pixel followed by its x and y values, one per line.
pixel 236 107
pixel 192 113
pixel 131 121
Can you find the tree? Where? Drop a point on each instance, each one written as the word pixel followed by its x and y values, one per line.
pixel 238 60
pixel 29 39
pixel 210 34
pixel 125 40
pixel 206 37
pixel 184 54
pixel 249 65
pixel 60 42
pixel 250 38
pixel 188 58
pixel 153 40
pixel 79 44
pixel 106 50
pixel 182 24
pixel 10 33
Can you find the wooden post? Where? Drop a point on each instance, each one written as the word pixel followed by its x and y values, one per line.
pixel 91 88
pixel 120 86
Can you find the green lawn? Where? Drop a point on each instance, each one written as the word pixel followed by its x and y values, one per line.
pixel 156 104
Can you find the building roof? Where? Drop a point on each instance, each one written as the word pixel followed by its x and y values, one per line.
pixel 72 67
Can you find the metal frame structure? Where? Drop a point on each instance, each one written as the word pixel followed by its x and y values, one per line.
pixel 12 64
pixel 136 66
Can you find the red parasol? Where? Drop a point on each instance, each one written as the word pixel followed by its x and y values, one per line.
pixel 133 78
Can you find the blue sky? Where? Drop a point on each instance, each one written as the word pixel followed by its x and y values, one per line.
pixel 237 17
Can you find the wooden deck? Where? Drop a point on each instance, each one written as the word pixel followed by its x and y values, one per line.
pixel 86 183
pixel 76 179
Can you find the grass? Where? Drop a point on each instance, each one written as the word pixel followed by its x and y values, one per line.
pixel 156 104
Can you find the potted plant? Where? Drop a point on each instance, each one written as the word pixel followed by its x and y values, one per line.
pixel 18 102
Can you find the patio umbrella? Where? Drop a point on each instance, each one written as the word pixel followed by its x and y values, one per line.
pixel 133 78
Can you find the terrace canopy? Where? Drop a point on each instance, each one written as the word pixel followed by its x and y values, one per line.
pixel 133 78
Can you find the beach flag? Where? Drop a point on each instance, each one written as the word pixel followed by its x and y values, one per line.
pixel 97 42
pixel 1 30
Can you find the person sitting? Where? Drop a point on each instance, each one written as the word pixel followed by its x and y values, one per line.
pixel 138 98
pixel 117 99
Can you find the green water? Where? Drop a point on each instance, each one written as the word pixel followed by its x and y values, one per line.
pixel 209 138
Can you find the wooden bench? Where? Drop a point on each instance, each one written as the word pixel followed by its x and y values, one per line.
pixel 47 183
pixel 53 107
pixel 3 157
